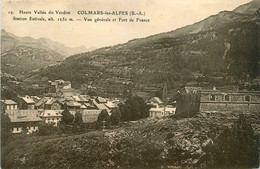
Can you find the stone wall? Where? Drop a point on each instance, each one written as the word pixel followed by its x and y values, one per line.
pixel 228 106
pixel 242 101
pixel 90 116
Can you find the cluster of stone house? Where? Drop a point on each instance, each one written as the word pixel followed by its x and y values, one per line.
pixel 29 111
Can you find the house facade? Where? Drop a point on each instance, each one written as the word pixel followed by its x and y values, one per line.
pixel 26 103
pixel 28 123
pixel 51 117
pixel 9 104
pixel 161 112
pixel 54 104
pixel 90 115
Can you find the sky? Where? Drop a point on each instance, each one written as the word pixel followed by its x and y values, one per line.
pixel 163 15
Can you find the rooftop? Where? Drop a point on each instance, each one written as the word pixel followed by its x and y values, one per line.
pixel 28 100
pixel 50 113
pixel 73 104
pixel 160 109
pixel 156 100
pixel 24 118
pixel 101 100
pixel 9 102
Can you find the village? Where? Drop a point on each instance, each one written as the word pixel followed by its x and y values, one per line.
pixel 30 111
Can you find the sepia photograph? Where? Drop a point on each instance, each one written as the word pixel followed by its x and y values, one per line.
pixel 133 84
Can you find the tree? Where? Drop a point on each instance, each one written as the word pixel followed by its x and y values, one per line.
pixel 134 108
pixel 236 147
pixel 103 116
pixel 25 129
pixel 46 129
pixel 6 132
pixel 67 117
pixel 115 117
pixel 78 118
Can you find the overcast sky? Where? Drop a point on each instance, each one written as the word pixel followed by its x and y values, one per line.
pixel 164 15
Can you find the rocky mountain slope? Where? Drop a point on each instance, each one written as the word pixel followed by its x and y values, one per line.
pixel 225 45
pixel 22 54
pixel 147 143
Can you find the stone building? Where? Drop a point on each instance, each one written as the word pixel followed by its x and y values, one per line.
pixel 161 111
pixel 51 116
pixel 221 100
pixel 21 119
pixel 9 104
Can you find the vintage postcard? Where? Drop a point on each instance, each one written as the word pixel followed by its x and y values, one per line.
pixel 130 84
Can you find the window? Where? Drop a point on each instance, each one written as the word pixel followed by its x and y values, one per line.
pixel 226 97
pixel 212 97
pixel 247 98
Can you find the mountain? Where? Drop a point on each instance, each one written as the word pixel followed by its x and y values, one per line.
pixel 224 48
pixel 22 54
pixel 11 41
pixel 249 8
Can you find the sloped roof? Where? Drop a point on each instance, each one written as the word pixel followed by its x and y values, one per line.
pixel 50 113
pixel 28 100
pixel 61 100
pixel 73 104
pixel 91 106
pixel 69 98
pixel 156 100
pixel 8 102
pixel 190 89
pixel 50 101
pixel 117 102
pixel 110 104
pixel 101 100
pixel 100 106
pixel 161 109
pixel 76 98
pixel 25 118
pixel 83 107
pixel 53 100
pixel 84 98
pixel 36 98
pixel 40 102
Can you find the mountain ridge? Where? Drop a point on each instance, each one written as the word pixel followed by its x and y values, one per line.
pixel 224 45
pixel 21 55
pixel 44 43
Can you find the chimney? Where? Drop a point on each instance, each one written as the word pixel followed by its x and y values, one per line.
pixel 214 88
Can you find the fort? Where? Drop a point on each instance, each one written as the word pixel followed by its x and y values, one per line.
pixel 219 100
pixel 197 99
